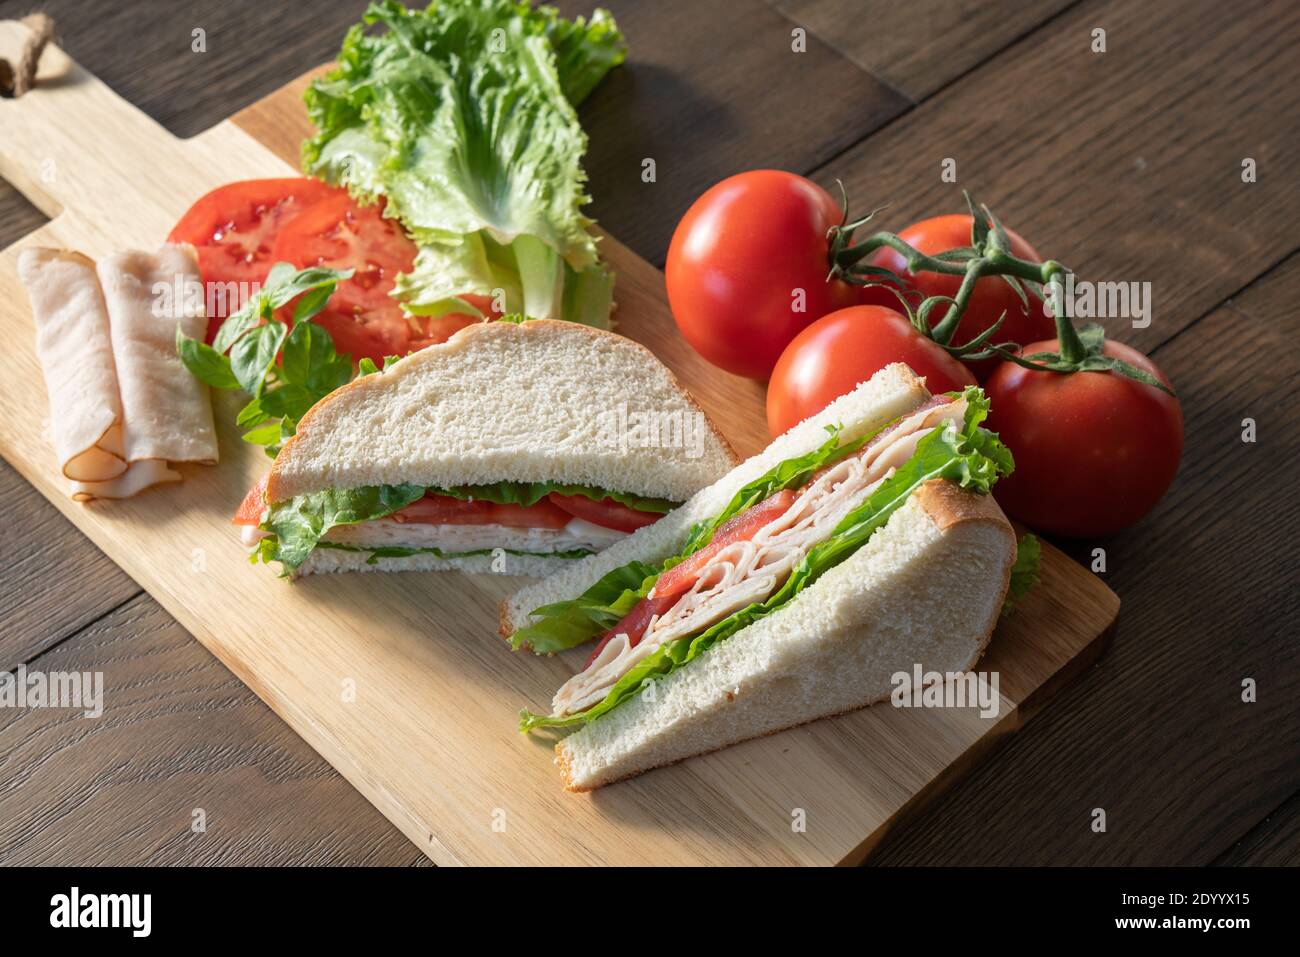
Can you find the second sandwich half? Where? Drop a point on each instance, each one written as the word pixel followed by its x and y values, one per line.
pixel 514 448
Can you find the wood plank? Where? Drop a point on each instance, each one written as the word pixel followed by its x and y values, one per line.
pixel 711 89
pixel 55 580
pixel 1125 165
pixel 429 737
pixel 18 217
pixel 144 50
pixel 178 732
pixel 919 48
pixel 1157 734
pixel 1274 842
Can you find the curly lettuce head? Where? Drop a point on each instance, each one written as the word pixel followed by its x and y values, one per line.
pixel 461 117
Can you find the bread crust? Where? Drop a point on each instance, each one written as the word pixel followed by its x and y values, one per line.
pixel 566 770
pixel 463 340
pixel 565 763
pixel 949 504
pixel 503 619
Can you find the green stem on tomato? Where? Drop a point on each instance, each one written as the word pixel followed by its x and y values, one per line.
pixel 988 255
pixel 991 260
pixel 846 257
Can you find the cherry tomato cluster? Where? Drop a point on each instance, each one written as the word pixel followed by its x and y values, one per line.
pixel 765 281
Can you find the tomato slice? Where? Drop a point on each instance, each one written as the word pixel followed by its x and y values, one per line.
pixel 605 512
pixel 634 623
pixel 678 579
pixel 254 504
pixel 362 318
pixel 234 228
pixel 448 510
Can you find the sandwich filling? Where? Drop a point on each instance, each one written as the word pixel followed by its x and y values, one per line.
pixel 574 535
pixel 777 536
pixel 398 521
pixel 749 567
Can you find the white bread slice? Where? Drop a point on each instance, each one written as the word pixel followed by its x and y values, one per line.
pixel 926 589
pixel 890 393
pixel 502 401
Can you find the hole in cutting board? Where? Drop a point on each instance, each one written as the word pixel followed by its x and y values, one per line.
pixel 18 216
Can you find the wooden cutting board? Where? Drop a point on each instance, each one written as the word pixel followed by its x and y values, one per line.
pixel 400 681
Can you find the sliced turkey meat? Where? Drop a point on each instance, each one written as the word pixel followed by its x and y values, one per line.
pixel 748 571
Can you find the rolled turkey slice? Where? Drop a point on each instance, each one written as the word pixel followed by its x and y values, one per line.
pixel 122 404
pixel 166 411
pixel 746 572
pixel 76 354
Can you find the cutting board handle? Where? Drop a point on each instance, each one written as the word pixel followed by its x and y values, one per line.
pixel 52 145
pixel 73 144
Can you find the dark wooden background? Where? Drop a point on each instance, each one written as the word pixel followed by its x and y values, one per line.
pixel 1126 165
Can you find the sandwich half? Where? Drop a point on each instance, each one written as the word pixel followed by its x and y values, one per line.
pixel 859 544
pixel 514 447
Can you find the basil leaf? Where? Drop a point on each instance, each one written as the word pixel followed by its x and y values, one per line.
pixel 251 414
pixel 312 302
pixel 284 283
pixel 288 401
pixel 252 356
pixel 205 363
pixel 265 434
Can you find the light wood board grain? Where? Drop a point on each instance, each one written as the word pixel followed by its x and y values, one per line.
pixel 397 680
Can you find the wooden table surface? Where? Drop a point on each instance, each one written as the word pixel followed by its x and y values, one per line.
pixel 1125 164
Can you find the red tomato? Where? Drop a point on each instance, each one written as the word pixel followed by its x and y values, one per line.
pixel 678 579
pixel 992 296
pixel 233 228
pixel 634 624
pixel 254 504
pixel 747 268
pixel 606 512
pixel 1094 451
pixel 837 352
pixel 448 510
pixel 361 317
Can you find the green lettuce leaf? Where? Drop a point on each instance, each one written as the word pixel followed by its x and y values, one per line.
pixel 971 456
pixel 462 117
pixel 296 526
pixel 568 624
pixel 1024 573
